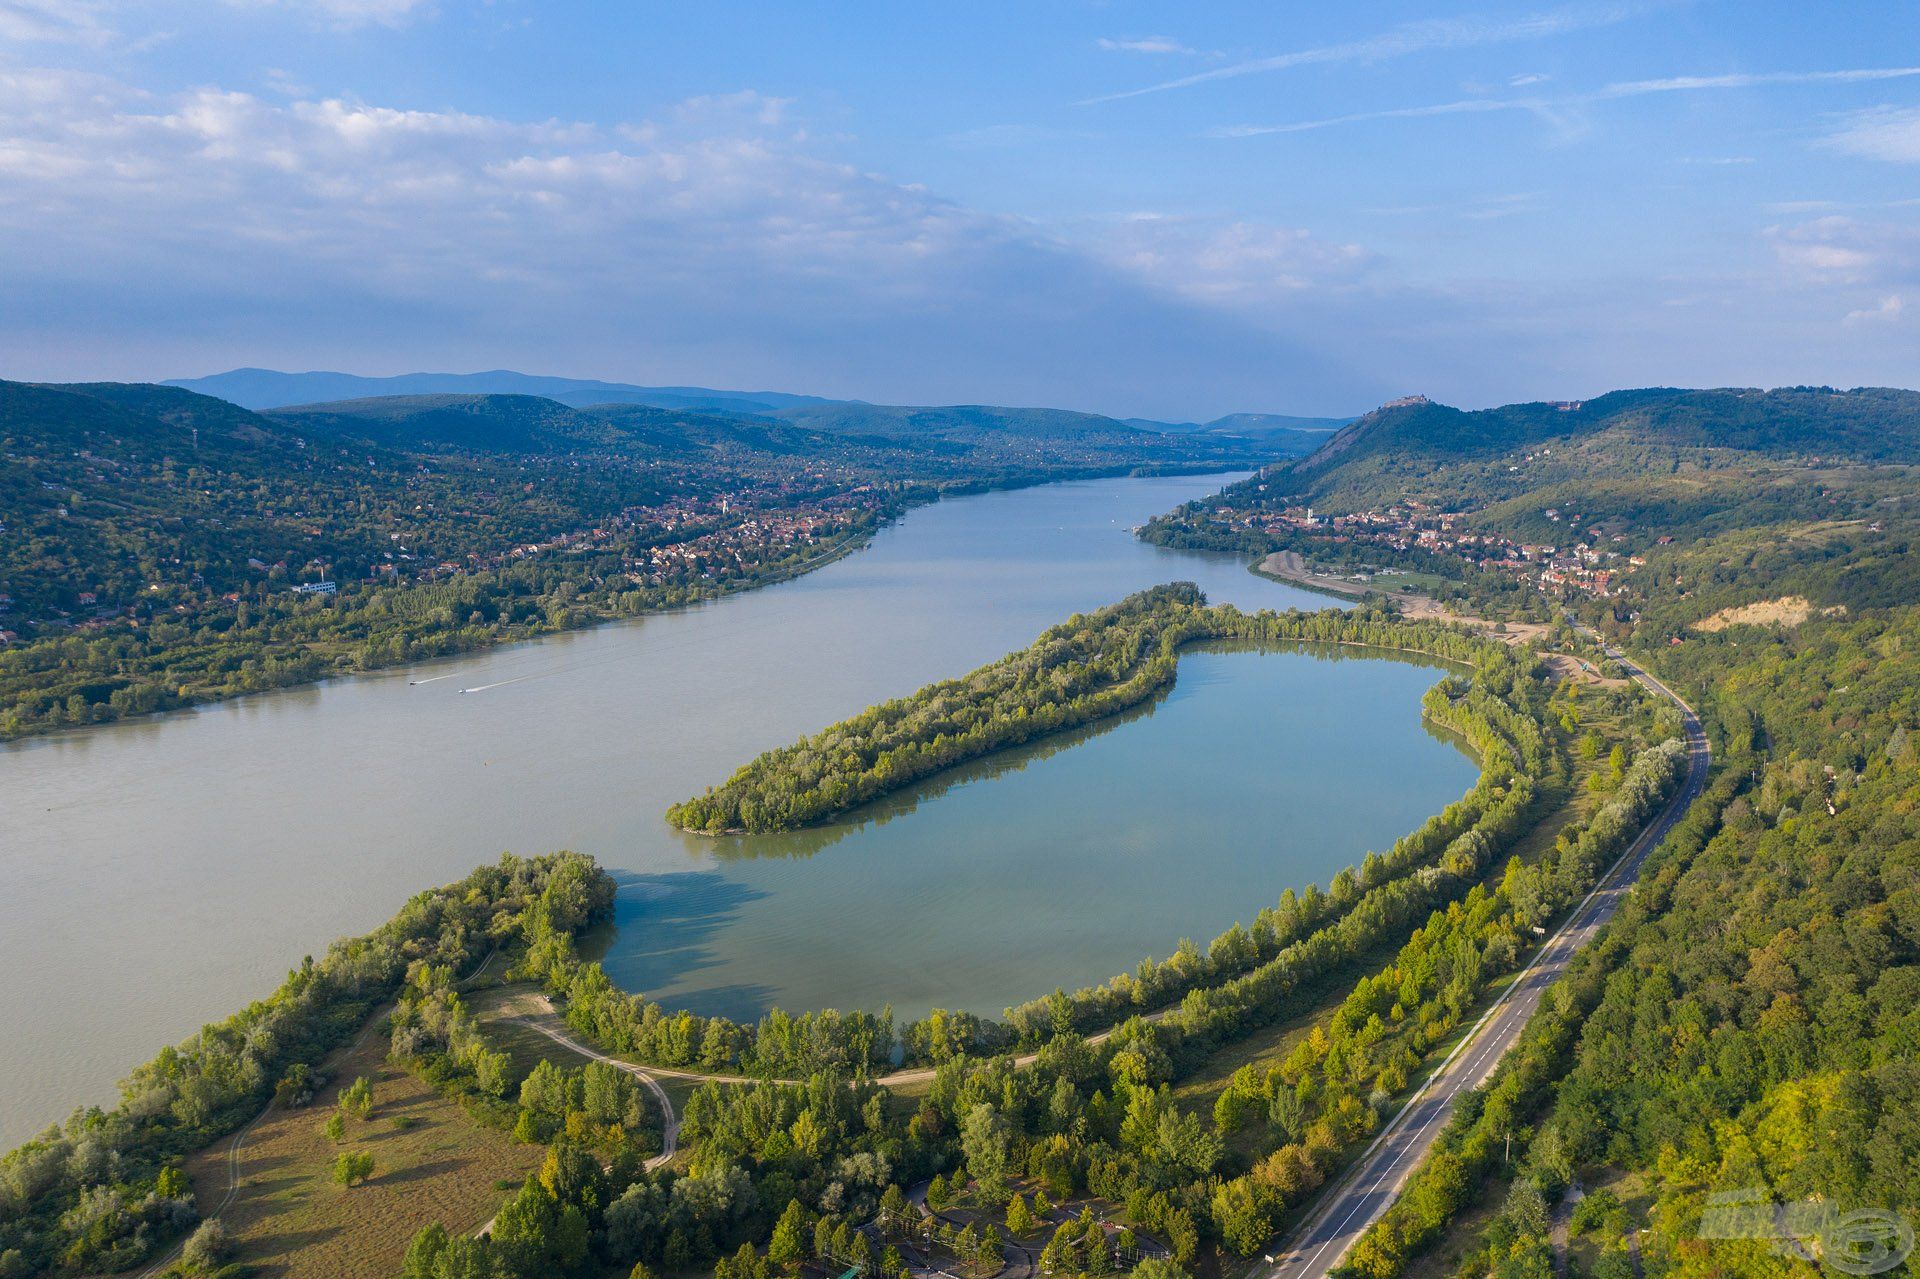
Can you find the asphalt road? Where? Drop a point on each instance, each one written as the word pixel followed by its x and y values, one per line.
pixel 1357 1201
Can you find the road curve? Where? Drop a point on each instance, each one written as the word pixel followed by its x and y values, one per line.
pixel 1358 1199
pixel 669 1121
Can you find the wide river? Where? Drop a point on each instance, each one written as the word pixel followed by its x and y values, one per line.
pixel 159 874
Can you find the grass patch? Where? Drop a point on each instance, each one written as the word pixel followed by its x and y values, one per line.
pixel 497 1011
pixel 431 1163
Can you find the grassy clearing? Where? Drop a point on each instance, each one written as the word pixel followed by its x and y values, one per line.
pixel 433 1164
pixel 497 1010
pixel 1406 580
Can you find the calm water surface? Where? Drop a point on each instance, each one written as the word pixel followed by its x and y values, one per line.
pixel 157 875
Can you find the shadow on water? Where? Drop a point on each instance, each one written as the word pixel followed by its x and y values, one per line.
pixel 667 925
pixel 816 839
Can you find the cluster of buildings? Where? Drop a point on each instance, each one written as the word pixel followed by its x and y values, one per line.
pixel 1587 565
pixel 685 536
pixel 679 540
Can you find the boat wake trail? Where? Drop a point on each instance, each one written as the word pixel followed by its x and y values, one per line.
pixel 481 688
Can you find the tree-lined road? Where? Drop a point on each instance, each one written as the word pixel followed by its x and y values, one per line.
pixel 1358 1200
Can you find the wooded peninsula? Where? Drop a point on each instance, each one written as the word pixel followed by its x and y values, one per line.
pixel 1089 667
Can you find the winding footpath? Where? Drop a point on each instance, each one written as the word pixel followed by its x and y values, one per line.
pixel 1358 1199
pixel 669 1121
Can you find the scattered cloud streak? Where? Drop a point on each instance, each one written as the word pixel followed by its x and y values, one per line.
pixel 1883 133
pixel 1145 44
pixel 1888 312
pixel 1398 42
pixel 75 22
pixel 1240 262
pixel 1892 135
pixel 346 13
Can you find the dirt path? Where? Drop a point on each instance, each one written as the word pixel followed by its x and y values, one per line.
pixel 239 1140
pixel 547 1022
pixel 669 1121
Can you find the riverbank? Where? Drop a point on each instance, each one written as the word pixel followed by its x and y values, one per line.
pixel 370 627
pixel 1289 567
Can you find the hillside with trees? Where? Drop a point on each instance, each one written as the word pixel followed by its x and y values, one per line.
pixel 164 548
pixel 1724 1081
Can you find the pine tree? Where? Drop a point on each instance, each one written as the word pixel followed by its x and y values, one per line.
pixel 786 1250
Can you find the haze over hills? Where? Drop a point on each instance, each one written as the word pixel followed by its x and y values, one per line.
pixel 271 389
pixel 535 424
pixel 263 389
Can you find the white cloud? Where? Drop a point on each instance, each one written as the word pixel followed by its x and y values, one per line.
pixel 1241 263
pixel 716 241
pixel 1144 44
pixel 1883 133
pixel 1400 41
pixel 1839 250
pixel 1887 312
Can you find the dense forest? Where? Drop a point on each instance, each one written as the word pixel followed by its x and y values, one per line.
pixel 1724 1083
pixel 163 548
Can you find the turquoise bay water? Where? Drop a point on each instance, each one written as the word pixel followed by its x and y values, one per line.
pixel 1258 771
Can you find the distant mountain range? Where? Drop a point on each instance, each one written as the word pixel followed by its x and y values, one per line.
pixel 263 389
pixel 271 389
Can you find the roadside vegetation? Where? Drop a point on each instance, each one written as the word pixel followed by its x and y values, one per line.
pixel 1743 1031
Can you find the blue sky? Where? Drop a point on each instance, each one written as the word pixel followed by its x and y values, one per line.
pixel 1170 210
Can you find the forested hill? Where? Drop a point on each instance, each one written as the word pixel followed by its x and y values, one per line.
pixel 1413 437
pixel 1622 472
pixel 163 547
pixel 534 424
